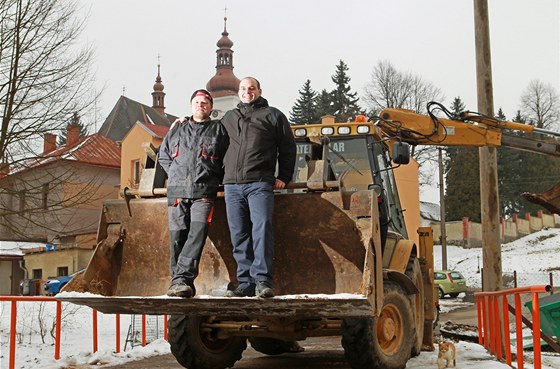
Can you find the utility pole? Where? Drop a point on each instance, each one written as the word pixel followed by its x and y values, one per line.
pixel 443 233
pixel 491 246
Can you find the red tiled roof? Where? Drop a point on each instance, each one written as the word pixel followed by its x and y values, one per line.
pixel 156 130
pixel 94 149
pixel 97 150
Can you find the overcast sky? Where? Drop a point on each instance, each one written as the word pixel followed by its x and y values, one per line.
pixel 284 43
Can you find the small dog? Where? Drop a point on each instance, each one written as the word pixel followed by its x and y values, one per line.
pixel 446 353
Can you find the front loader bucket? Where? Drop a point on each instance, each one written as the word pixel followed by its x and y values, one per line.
pixel 319 247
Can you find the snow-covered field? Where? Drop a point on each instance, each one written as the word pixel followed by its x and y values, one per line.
pixel 533 255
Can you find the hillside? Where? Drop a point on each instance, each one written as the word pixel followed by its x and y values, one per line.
pixel 533 257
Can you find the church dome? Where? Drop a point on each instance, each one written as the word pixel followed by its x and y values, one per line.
pixel 224 83
pixel 224 42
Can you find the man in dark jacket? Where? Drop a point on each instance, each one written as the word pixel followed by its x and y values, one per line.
pixel 192 154
pixel 260 137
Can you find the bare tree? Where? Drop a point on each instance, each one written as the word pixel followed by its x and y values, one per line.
pixel 46 79
pixel 390 88
pixel 45 76
pixel 541 105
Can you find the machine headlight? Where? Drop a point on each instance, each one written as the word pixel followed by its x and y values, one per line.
pixel 327 131
pixel 300 132
pixel 343 130
pixel 363 129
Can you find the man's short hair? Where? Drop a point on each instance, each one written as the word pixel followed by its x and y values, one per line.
pixel 254 79
pixel 203 92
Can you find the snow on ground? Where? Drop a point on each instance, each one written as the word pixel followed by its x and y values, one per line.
pixel 532 256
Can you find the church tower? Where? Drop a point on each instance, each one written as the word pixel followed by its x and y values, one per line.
pixel 224 85
pixel 158 95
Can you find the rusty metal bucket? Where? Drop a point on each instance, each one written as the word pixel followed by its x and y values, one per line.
pixel 320 246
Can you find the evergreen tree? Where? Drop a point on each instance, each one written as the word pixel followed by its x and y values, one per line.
pixel 457 106
pixel 304 110
pixel 462 185
pixel 345 103
pixel 522 171
pixel 324 104
pixel 509 161
pixel 75 120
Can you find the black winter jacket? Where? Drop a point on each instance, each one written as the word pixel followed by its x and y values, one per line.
pixel 259 136
pixel 192 154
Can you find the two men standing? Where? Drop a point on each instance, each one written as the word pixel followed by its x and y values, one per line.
pixel 194 153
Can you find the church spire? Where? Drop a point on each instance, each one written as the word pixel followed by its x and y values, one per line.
pixel 224 83
pixel 158 95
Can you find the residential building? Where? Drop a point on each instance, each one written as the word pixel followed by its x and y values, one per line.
pixel 140 138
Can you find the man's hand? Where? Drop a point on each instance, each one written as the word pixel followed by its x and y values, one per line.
pixel 178 120
pixel 278 184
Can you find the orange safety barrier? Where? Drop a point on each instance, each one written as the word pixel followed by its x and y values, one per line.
pixel 13 326
pixel 489 329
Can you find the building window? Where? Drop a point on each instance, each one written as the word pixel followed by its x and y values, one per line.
pixel 22 200
pixel 62 271
pixel 136 172
pixel 37 273
pixel 45 196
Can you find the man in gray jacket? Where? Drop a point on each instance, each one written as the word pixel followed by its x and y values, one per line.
pixel 260 137
pixel 192 154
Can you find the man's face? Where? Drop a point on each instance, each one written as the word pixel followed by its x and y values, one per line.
pixel 249 90
pixel 201 108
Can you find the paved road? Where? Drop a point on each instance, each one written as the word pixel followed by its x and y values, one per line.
pixel 461 316
pixel 320 353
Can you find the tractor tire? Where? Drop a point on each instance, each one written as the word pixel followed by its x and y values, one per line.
pixel 383 342
pixel 414 272
pixel 273 346
pixel 194 349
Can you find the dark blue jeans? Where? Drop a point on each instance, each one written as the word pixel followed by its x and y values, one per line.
pixel 188 228
pixel 249 209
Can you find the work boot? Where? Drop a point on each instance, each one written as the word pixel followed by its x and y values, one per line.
pixel 180 290
pixel 264 289
pixel 244 290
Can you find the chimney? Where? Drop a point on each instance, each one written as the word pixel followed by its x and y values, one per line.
pixel 4 169
pixel 72 134
pixel 49 144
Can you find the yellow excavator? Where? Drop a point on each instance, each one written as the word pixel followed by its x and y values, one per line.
pixel 345 262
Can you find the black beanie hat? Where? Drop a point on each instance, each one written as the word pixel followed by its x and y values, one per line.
pixel 204 93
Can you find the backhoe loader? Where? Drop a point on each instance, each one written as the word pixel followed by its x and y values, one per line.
pixel 344 260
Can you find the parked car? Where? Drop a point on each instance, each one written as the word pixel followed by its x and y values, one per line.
pixel 450 282
pixel 54 285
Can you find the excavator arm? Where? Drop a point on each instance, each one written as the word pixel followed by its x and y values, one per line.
pixel 471 129
pixel 465 129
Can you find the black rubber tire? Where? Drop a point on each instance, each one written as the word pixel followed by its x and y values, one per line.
pixel 440 293
pixel 414 272
pixel 194 350
pixel 383 342
pixel 272 346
